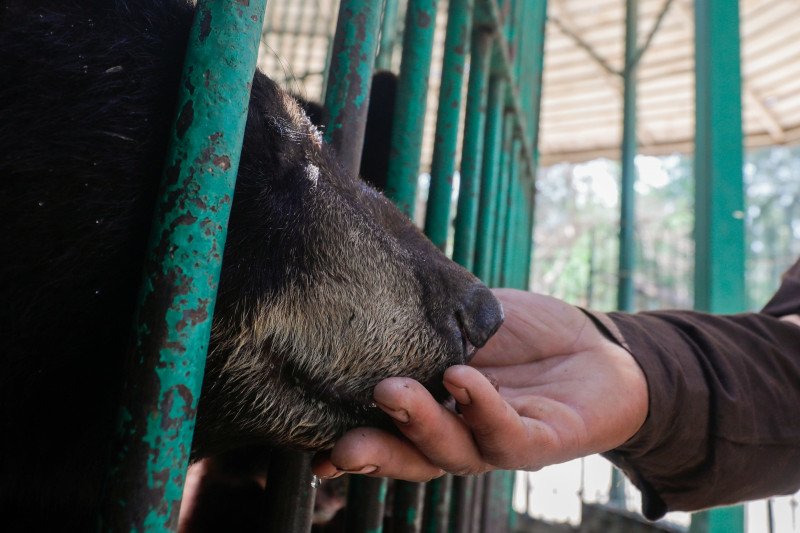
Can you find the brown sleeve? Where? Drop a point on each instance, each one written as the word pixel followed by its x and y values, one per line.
pixel 724 415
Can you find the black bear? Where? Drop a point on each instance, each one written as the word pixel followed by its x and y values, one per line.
pixel 325 290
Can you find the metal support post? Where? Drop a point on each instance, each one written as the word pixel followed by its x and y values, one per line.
pixel 168 349
pixel 719 190
pixel 409 110
pixel 456 50
pixel 472 150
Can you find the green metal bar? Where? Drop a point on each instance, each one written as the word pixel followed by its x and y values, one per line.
pixel 289 498
pixel 529 194
pixel 456 49
pixel 438 497
pixel 490 177
pixel 408 501
pixel 472 150
pixel 627 253
pixel 409 111
pixel 182 266
pixel 720 520
pixel 627 222
pixel 476 506
pixel 388 36
pixel 538 20
pixel 488 14
pixel 520 224
pixel 461 508
pixel 503 197
pixel 719 191
pixel 350 75
pixel 538 23
pixel 495 516
pixel 366 500
pixel 403 174
pixel 347 100
pixel 515 202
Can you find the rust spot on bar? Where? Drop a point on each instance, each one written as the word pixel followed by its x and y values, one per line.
pixel 205 24
pixel 243 2
pixel 193 316
pixel 223 162
pixel 423 20
pixel 187 82
pixel 185 119
pixel 177 346
pixel 208 227
pixel 186 219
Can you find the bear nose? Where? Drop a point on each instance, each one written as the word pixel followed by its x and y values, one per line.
pixel 481 314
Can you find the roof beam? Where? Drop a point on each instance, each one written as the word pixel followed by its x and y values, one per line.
pixel 560 17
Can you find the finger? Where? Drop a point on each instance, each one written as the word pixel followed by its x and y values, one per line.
pixel 377 453
pixel 322 466
pixel 504 439
pixel 438 433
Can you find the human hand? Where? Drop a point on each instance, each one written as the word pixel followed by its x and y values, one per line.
pixel 565 391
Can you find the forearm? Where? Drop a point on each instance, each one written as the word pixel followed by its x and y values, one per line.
pixel 724 422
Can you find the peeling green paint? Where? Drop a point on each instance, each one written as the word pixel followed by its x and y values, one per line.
pixel 490 178
pixel 176 301
pixel 443 165
pixel 350 78
pixel 472 150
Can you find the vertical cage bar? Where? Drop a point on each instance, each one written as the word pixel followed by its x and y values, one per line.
pixel 409 110
pixel 388 36
pixel 403 174
pixel 627 218
pixel 515 203
pixel 523 225
pixel 496 516
pixel 347 100
pixel 514 220
pixel 456 49
pixel 476 505
pixel 461 507
pixel 350 76
pixel 184 256
pixel 289 499
pixel 438 497
pixel 529 217
pixel 366 501
pixel 500 244
pixel 627 245
pixel 490 172
pixel 472 149
pixel 719 190
pixel 407 511
pixel 538 23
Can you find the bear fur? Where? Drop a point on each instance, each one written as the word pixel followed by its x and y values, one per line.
pixel 326 288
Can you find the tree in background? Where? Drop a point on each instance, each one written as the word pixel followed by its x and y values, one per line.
pixel 577 229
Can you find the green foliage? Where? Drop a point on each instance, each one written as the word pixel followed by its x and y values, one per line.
pixel 578 219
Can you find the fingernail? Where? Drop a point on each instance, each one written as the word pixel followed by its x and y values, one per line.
pixel 460 394
pixel 369 469
pixel 401 415
pixel 334 475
